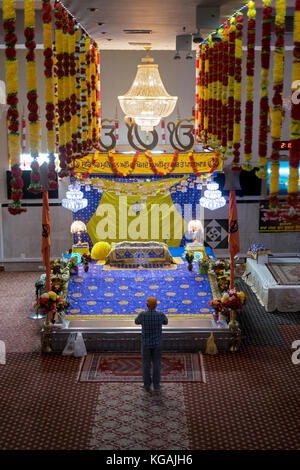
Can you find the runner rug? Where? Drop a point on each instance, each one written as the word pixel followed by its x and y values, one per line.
pixel 127 367
pixel 285 274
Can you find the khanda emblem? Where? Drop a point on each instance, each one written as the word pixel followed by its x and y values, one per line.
pixel 45 232
pixel 234 226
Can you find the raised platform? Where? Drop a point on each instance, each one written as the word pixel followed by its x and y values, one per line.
pixel 124 335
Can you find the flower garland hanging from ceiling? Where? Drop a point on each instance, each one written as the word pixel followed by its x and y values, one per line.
pixel 60 89
pixel 230 109
pixel 11 69
pixel 78 89
pixel 294 156
pixel 49 92
pixel 83 94
pixel 276 112
pixel 33 117
pixel 89 91
pixel 249 86
pixel 224 72
pixel 237 92
pixel 264 92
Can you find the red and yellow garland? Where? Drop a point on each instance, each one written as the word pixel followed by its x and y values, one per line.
pixel 276 113
pixel 294 157
pixel 11 68
pixel 264 100
pixel 250 86
pixel 224 75
pixel 49 92
pixel 33 117
pixel 238 92
pixel 230 108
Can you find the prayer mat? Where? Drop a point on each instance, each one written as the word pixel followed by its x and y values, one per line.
pixel 127 367
pixel 285 274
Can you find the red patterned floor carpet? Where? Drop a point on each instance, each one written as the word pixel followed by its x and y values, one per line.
pixel 250 401
pixel 127 367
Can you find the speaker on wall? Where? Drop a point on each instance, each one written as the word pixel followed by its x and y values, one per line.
pixel 27 194
pixel 250 184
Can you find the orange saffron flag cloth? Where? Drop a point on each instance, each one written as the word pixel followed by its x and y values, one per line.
pixel 46 237
pixel 233 235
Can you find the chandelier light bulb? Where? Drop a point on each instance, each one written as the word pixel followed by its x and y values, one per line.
pixel 147 101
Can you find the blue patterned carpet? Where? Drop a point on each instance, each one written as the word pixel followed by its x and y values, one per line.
pixel 123 293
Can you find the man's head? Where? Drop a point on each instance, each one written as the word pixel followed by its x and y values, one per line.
pixel 151 303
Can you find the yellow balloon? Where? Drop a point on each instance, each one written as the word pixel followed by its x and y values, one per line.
pixel 100 250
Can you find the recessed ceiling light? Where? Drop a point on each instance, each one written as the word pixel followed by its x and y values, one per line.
pixel 108 39
pixel 93 9
pixel 103 32
pixel 99 23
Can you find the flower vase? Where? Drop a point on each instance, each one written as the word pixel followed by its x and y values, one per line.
pixel 215 317
pixel 86 268
pixel 190 266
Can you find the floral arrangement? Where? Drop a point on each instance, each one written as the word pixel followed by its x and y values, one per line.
pixel 231 300
pixel 204 266
pixel 250 86
pixel 49 91
pixel 73 266
pixel 295 119
pixel 237 92
pixel 33 117
pixel 189 256
pixel 11 68
pixel 264 99
pixel 86 260
pixel 223 282
pixel 50 302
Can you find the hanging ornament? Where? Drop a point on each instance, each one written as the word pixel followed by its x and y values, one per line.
pixel 213 198
pixel 74 200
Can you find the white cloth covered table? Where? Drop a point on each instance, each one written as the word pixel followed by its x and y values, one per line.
pixel 270 294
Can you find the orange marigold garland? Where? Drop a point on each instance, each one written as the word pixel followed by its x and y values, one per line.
pixel 250 86
pixel 49 91
pixel 60 73
pixel 294 157
pixel 230 108
pixel 155 170
pixel 115 168
pixel 11 68
pixel 264 100
pixel 276 113
pixel 237 92
pixel 83 95
pixel 224 74
pixel 78 88
pixel 33 117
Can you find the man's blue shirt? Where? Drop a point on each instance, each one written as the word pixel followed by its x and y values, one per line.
pixel 151 321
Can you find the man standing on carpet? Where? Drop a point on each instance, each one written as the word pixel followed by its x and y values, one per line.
pixel 151 321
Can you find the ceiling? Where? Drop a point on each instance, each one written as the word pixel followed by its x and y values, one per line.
pixel 164 18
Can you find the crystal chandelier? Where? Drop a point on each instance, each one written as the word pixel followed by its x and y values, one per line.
pixel 213 198
pixel 147 101
pixel 74 200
